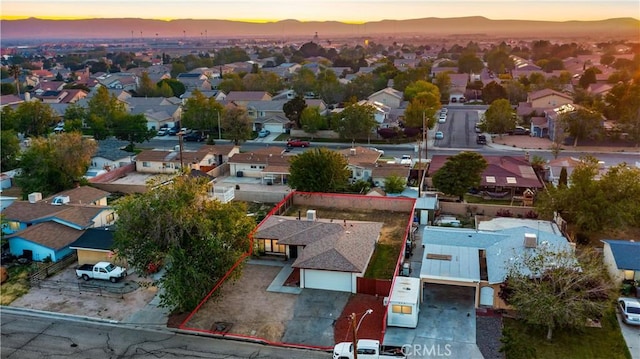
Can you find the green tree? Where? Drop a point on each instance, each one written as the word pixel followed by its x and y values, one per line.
pixel 498 61
pixel 74 117
pixel 499 117
pixel 177 68
pixel 469 63
pixel 394 184
pixel 54 164
pixel 413 89
pixel 562 180
pixel 231 82
pixel 146 87
pixel 493 91
pixel 15 71
pixel 312 121
pixel 7 89
pixel 236 124
pixel 303 81
pixel 356 121
pixel 164 90
pixel 328 87
pixel 422 109
pixel 132 128
pixel 581 124
pixel 202 113
pixel 360 87
pixel 9 150
pixel 293 109
pixel 443 81
pixel 571 287
pixel 318 170
pixel 9 119
pixel 201 239
pixel 176 86
pixel 460 173
pixel 103 109
pixel 588 77
pixel 34 118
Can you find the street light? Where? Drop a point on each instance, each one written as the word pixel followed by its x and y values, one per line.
pixel 355 330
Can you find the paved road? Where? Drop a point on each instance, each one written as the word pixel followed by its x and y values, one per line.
pixel 27 336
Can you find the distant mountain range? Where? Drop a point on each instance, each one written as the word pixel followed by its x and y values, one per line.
pixel 32 29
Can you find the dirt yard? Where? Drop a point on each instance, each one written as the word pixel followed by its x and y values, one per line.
pixel 245 307
pixel 69 299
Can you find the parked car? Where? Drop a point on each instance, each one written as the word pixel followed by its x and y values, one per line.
pixel 173 131
pixel 442 118
pixel 367 348
pixel 101 270
pixel 629 310
pixel 186 131
pixel 194 137
pixel 439 135
pixel 163 132
pixel 264 133
pixel 519 130
pixel 481 140
pixel 405 160
pixel 297 143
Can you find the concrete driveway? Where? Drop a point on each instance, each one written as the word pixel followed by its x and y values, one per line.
pixel 314 317
pixel 446 325
pixel 631 335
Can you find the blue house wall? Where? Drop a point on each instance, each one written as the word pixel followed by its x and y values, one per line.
pixel 18 245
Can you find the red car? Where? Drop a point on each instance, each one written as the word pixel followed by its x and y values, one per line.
pixel 297 143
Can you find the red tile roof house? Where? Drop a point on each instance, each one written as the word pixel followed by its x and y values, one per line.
pixel 504 175
pixel 40 229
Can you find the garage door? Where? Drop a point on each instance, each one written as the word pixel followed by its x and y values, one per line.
pixel 273 127
pixel 327 280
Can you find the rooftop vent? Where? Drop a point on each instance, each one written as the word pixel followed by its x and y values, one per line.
pixel 35 197
pixel 530 240
pixel 60 200
pixel 352 151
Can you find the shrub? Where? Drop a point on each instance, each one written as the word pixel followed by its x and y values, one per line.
pixel 504 213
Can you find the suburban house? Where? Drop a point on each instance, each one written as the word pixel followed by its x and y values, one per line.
pixel 553 115
pixel 192 81
pixel 504 176
pixel 119 80
pixel 110 155
pixel 242 98
pixel 380 112
pixel 622 259
pixel 458 87
pixel 269 163
pixel 61 96
pixel 387 96
pixel 480 259
pixel 360 162
pixel 329 255
pixel 537 103
pixel 382 171
pixel 205 159
pixel 40 229
pixel 158 111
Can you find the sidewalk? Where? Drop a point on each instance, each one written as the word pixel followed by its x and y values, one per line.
pixel 537 143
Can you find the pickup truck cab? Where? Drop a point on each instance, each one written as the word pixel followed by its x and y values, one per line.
pixel 367 349
pixel 101 270
pixel 297 143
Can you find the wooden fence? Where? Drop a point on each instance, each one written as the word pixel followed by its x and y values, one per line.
pixel 372 286
pixel 47 270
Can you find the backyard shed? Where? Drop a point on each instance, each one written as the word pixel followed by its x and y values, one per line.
pixel 404 303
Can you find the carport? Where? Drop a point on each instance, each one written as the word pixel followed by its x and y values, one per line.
pixel 451 265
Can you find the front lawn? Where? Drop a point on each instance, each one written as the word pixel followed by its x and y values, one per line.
pixel 605 342
pixel 16 285
pixel 383 262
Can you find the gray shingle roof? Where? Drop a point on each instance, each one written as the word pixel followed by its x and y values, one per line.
pixel 328 246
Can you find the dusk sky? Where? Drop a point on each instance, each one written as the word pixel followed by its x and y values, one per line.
pixel 355 11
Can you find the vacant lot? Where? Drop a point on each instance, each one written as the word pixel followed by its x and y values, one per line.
pixel 245 307
pixel 63 293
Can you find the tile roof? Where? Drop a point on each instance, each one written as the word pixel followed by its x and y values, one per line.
pixel 94 238
pixel 49 234
pixel 82 195
pixel 361 157
pixel 507 171
pixel 345 247
pixel 625 253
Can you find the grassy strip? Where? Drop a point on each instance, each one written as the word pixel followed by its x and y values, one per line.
pixel 383 261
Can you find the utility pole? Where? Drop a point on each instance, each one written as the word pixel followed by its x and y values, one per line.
pixel 180 144
pixel 355 335
pixel 219 129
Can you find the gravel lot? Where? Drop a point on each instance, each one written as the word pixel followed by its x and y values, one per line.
pixel 488 334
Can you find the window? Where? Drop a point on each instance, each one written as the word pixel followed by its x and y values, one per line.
pixel 254 166
pixel 146 164
pixel 271 245
pixel 262 167
pixel 111 217
pixel 401 309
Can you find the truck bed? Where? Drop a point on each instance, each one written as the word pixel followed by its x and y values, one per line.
pixel 86 267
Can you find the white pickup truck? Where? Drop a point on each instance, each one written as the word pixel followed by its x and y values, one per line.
pixel 101 270
pixel 367 349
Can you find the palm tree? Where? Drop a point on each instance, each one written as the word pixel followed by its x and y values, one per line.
pixel 15 71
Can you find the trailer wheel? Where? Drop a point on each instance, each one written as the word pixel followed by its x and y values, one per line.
pixel 113 279
pixel 85 277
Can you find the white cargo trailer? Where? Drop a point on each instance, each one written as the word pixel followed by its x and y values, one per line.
pixel 404 303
